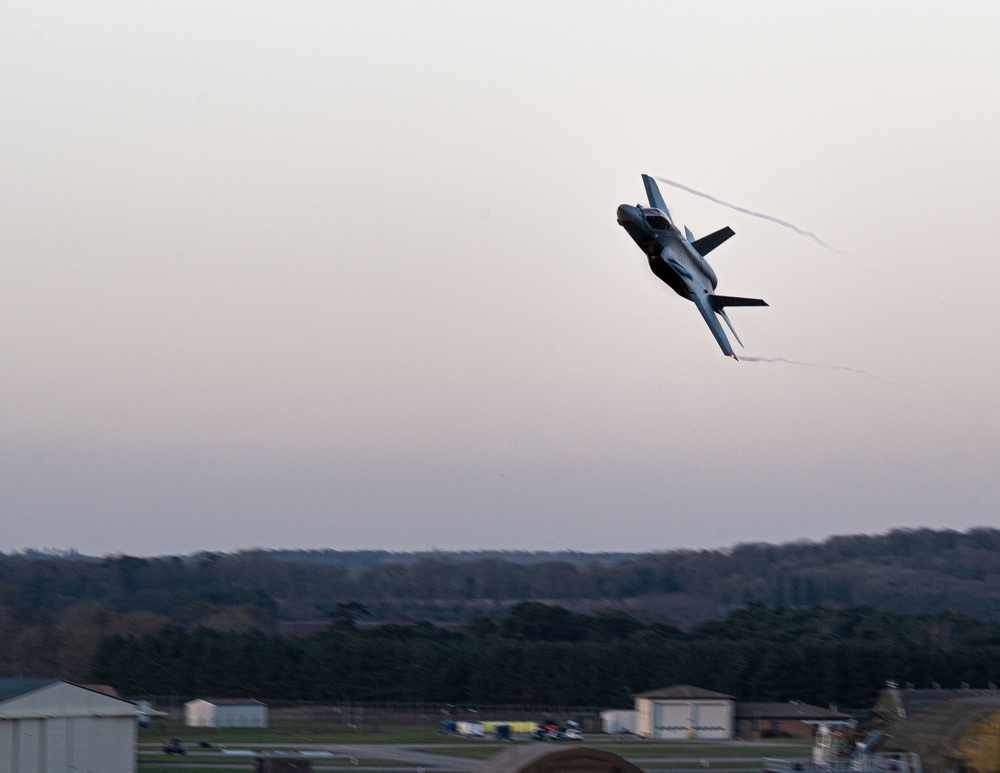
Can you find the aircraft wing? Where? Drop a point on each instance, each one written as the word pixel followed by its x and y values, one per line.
pixel 704 304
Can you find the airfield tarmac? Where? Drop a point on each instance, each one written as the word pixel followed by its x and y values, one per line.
pixel 423 758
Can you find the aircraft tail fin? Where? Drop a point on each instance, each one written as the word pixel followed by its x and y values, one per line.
pixel 722 313
pixel 704 304
pixel 653 193
pixel 706 244
pixel 710 305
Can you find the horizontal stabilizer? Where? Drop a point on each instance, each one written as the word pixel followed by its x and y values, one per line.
pixel 719 302
pixel 706 244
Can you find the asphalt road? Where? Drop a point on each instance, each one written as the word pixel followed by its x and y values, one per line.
pixel 411 759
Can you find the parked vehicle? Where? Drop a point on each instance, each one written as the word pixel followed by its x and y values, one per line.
pixel 550 731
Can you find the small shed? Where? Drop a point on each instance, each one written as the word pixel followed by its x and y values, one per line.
pixel 225 712
pixel 55 726
pixel 542 758
pixel 616 721
pixel 684 712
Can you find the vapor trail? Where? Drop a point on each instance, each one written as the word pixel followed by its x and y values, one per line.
pixel 844 368
pixel 745 211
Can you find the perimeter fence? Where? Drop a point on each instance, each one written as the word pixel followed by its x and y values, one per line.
pixel 386 716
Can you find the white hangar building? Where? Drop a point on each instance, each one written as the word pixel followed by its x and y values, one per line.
pixel 225 712
pixel 52 726
pixel 683 711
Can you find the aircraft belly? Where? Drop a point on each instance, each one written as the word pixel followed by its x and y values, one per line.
pixel 703 268
pixel 668 275
pixel 686 266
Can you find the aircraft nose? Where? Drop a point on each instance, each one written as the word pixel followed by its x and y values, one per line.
pixel 626 213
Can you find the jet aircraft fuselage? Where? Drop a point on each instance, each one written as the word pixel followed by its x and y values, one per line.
pixel 671 258
pixel 679 259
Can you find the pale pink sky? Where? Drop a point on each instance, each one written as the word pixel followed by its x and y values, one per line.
pixel 348 274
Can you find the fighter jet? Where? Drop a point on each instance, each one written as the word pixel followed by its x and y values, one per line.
pixel 679 260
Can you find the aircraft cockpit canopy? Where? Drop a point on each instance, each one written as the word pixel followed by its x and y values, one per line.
pixel 655 218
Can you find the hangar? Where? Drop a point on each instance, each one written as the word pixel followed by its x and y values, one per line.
pixel 683 711
pixel 225 712
pixel 55 726
pixel 784 720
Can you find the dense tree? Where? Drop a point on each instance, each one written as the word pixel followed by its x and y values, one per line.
pixel 934 594
pixel 544 654
pixel 915 571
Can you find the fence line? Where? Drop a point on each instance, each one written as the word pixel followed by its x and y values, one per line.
pixel 391 712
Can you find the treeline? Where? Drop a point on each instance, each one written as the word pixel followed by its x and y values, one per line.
pixel 914 571
pixel 54 609
pixel 545 654
pixel 365 559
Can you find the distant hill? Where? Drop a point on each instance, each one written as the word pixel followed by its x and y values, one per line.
pixel 907 571
pixel 363 559
pixel 77 599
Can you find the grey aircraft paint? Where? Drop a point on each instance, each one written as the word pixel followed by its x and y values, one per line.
pixel 679 260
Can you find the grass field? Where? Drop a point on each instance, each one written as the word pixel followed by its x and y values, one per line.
pixel 186 759
pixel 653 756
pixel 650 749
pixel 707 751
pixel 299 731
pixel 328 732
pixel 247 764
pixel 178 768
pixel 345 760
pixel 712 765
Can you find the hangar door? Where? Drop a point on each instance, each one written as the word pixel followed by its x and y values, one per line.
pixel 710 720
pixel 671 720
pixel 60 745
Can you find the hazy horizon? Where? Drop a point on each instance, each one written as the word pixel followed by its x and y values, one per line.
pixel 72 552
pixel 345 274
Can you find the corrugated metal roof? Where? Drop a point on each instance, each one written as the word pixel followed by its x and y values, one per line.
pixel 231 701
pixel 103 689
pixel 683 691
pixel 11 688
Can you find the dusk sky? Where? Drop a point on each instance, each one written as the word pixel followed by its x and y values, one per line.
pixel 347 274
